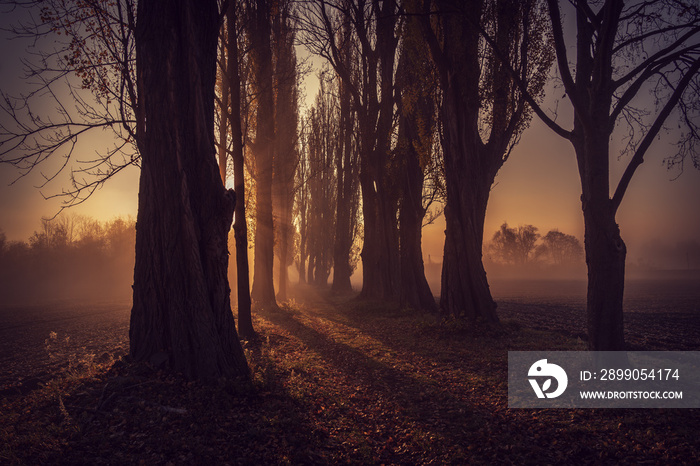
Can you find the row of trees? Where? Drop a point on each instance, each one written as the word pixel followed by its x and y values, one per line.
pixel 424 100
pixel 70 256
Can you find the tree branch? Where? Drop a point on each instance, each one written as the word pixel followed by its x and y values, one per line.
pixel 638 157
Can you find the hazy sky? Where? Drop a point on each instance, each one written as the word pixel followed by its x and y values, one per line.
pixel 539 185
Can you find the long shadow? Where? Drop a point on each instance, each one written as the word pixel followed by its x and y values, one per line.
pixel 470 424
pixel 452 422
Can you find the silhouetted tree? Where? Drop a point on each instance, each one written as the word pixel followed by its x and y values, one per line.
pixel 260 36
pixel 483 114
pixel 514 245
pixel 230 128
pixel 375 30
pixel 414 148
pixel 560 248
pixel 347 171
pixel 322 144
pixel 623 49
pixel 301 201
pixel 181 315
pixel 286 138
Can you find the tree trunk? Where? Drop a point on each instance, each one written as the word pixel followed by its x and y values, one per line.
pixel 605 257
pixel 181 316
pixel 263 292
pixel 468 179
pixel 380 262
pixel 344 199
pixel 605 250
pixel 302 248
pixel 415 291
pixel 465 290
pixel 284 268
pixel 380 252
pixel 240 225
pixel 286 119
pixel 414 142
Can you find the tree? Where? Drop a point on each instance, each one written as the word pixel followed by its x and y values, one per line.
pixel 375 28
pixel 514 245
pixel 260 31
pixel 322 146
pixel 286 152
pixel 622 49
pixel 415 141
pixel 483 114
pixel 347 171
pixel 559 248
pixel 181 315
pixel 230 116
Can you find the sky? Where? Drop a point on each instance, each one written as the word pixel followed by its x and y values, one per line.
pixel 538 185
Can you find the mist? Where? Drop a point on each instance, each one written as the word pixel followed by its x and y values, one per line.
pixel 70 257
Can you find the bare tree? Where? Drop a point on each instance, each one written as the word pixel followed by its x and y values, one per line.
pixel 286 140
pixel 514 245
pixel 559 248
pixel 375 29
pixel 622 50
pixel 347 171
pixel 322 145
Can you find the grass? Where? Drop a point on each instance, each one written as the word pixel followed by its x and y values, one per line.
pixel 336 381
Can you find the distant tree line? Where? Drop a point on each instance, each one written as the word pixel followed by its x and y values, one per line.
pixel 71 256
pixel 524 245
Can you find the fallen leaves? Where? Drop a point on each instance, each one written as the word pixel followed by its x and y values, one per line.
pixel 335 382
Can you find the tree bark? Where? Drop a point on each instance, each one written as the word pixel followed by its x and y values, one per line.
pixel 415 291
pixel 181 316
pixel 605 250
pixel 605 258
pixel 468 180
pixel 345 185
pixel 380 252
pixel 263 292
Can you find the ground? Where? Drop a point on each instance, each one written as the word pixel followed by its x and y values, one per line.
pixel 334 381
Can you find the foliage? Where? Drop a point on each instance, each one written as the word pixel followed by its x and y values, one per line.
pixel 514 245
pixel 559 248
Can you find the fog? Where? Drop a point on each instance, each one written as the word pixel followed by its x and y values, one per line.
pixel 77 257
pixel 69 257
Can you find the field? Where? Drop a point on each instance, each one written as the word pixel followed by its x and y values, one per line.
pixel 335 381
